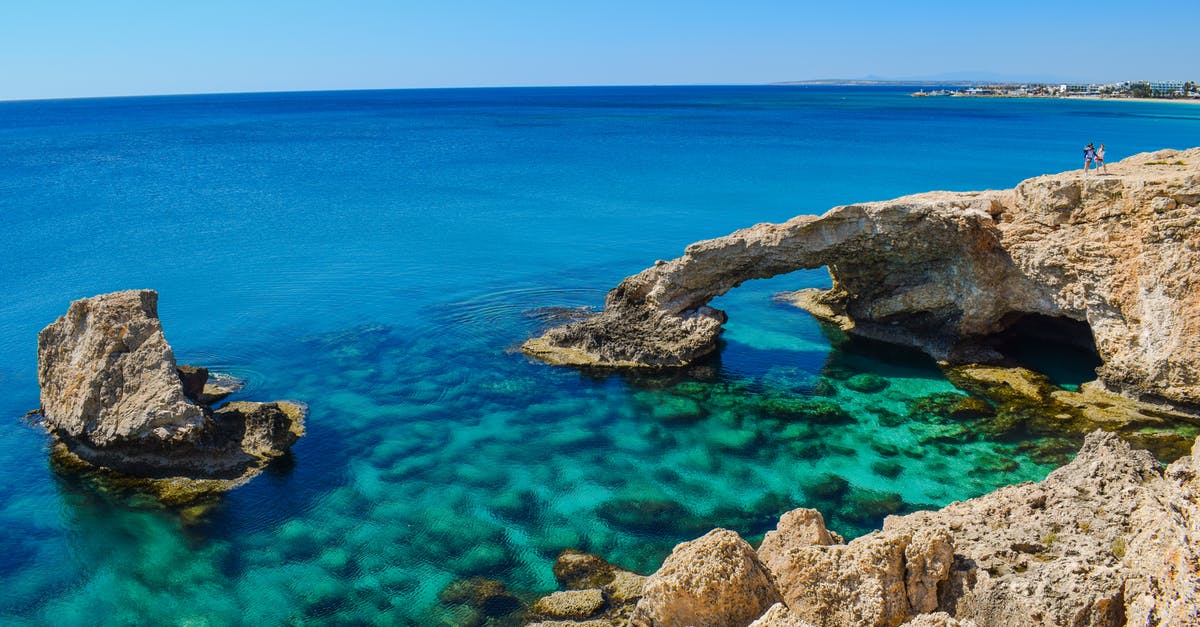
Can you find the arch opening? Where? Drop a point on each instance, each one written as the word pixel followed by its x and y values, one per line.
pixel 1061 348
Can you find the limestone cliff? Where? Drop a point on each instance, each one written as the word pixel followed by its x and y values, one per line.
pixel 945 272
pixel 114 399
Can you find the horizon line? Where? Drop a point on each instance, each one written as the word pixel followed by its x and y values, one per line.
pixel 828 82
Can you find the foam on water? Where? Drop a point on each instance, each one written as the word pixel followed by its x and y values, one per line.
pixel 379 255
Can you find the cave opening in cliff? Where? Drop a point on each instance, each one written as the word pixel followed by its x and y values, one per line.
pixel 1062 348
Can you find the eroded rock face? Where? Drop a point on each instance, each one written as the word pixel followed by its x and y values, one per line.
pixel 879 579
pixel 1100 541
pixel 715 580
pixel 797 528
pixel 108 375
pixel 114 399
pixel 945 271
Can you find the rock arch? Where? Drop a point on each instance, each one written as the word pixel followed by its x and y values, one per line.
pixel 943 271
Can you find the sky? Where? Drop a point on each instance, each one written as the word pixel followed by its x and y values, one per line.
pixel 83 48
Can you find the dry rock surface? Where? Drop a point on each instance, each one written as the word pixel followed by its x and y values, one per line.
pixel 715 580
pixel 1106 540
pixel 947 272
pixel 115 402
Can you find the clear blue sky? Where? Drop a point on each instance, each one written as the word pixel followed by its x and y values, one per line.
pixel 61 48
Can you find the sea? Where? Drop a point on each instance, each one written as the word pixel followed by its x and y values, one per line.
pixel 381 255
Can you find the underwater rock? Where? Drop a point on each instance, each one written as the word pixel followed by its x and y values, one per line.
pixel 867 506
pixel 1028 401
pixel 934 408
pixel 487 596
pixel 827 488
pixel 824 388
pixel 114 401
pixel 886 449
pixel 816 411
pixel 649 516
pixel 715 580
pixel 867 383
pixel 576 570
pixel 949 272
pixel 887 469
pixel 971 408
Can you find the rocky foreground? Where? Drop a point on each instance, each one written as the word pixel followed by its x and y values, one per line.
pixel 949 273
pixel 1109 539
pixel 114 401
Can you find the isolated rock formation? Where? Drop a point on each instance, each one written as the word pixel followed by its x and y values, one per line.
pixel 1107 540
pixel 946 272
pixel 113 398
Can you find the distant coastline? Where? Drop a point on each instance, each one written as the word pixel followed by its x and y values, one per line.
pixel 1193 101
pixel 1132 91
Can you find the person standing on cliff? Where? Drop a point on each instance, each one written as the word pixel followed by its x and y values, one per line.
pixel 1089 153
pixel 1100 159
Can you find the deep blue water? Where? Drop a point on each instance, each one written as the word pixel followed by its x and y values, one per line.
pixel 379 255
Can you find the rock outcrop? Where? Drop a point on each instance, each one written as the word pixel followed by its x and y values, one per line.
pixel 946 272
pixel 595 593
pixel 1106 540
pixel 716 580
pixel 113 399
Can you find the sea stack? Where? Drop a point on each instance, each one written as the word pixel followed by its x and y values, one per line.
pixel 115 401
pixel 1108 261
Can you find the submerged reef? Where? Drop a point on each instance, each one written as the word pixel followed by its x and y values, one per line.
pixel 1111 262
pixel 1105 540
pixel 119 408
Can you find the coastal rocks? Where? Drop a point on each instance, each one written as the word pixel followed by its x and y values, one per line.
pixel 114 401
pixel 797 528
pixel 570 604
pixel 1166 588
pixel 646 337
pixel 951 273
pixel 1106 540
pixel 880 579
pixel 938 619
pixel 1063 551
pixel 595 592
pixel 715 580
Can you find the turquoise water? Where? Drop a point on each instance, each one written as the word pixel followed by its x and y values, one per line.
pixel 379 255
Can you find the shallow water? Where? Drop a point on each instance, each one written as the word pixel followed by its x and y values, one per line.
pixel 380 254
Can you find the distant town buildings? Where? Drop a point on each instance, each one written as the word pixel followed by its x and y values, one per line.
pixel 1127 89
